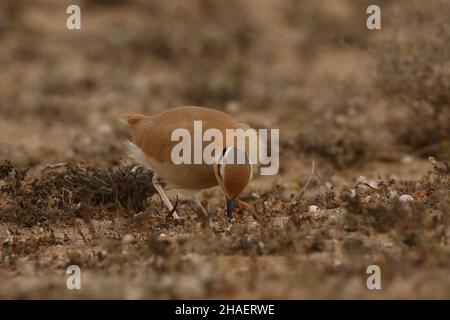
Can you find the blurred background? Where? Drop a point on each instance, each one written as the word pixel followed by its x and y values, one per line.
pixel 338 91
pixel 359 102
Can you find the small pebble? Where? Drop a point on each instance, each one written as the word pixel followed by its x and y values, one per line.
pixel 127 239
pixel 233 106
pixel 337 263
pixel 407 159
pixel 104 129
pixel 255 195
pixel 373 184
pixel 405 198
pixel 361 179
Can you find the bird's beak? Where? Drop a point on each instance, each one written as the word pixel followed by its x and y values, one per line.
pixel 231 204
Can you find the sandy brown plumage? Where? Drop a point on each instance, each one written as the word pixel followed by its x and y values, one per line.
pixel 152 134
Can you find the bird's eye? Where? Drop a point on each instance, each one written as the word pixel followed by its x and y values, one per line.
pixel 222 155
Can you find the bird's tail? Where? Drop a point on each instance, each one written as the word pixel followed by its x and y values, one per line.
pixel 136 153
pixel 133 119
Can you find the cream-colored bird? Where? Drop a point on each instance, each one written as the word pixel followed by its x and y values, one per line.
pixel 152 146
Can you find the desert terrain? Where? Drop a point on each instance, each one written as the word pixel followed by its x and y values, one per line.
pixel 364 120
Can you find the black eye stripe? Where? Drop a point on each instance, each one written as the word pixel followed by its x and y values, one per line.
pixel 221 158
pixel 218 171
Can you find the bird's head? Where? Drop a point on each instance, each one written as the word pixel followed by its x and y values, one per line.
pixel 233 174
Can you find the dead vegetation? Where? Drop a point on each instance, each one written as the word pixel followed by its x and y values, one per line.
pixel 350 227
pixel 415 213
pixel 335 128
pixel 339 27
pixel 415 73
pixel 57 195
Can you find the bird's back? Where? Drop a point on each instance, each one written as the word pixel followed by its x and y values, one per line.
pixel 153 136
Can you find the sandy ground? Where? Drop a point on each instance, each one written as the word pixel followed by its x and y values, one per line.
pixel 306 68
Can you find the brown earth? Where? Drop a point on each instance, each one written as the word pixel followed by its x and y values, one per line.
pixel 342 96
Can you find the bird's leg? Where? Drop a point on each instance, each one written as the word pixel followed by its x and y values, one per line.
pixel 200 207
pixel 157 184
pixel 195 202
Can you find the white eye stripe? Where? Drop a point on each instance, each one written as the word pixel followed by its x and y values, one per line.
pixel 223 156
pixel 227 153
pixel 221 162
pixel 226 158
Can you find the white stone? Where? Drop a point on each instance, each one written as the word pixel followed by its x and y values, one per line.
pixel 407 159
pixel 361 179
pixel 127 239
pixel 405 198
pixel 233 106
pixel 373 184
pixel 255 195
